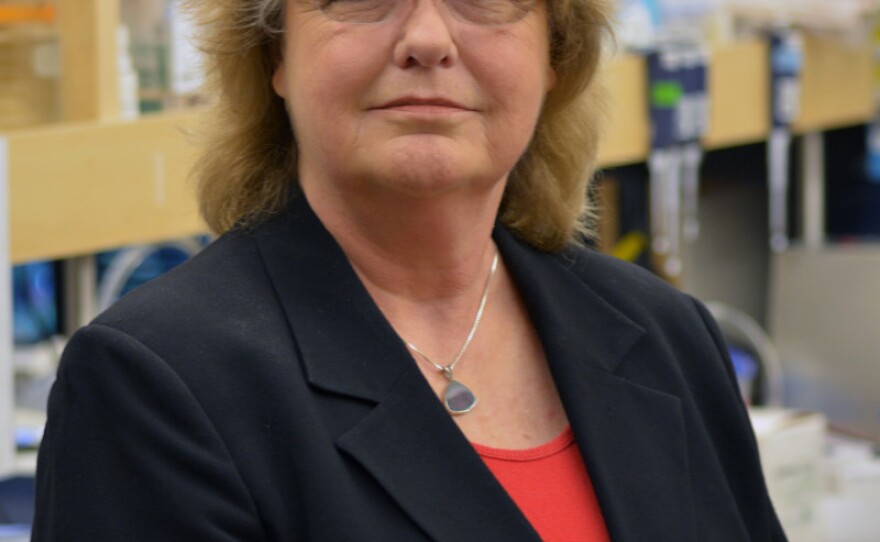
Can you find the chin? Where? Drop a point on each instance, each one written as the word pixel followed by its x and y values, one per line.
pixel 436 180
pixel 422 181
pixel 430 172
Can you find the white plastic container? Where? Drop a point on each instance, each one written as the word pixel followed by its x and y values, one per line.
pixel 792 447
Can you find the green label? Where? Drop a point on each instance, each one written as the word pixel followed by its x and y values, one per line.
pixel 666 94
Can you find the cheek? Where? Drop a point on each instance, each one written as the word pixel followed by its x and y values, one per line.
pixel 515 65
pixel 519 89
pixel 330 84
pixel 314 93
pixel 515 76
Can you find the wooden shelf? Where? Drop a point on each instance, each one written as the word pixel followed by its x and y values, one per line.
pixel 627 139
pixel 838 90
pixel 739 85
pixel 838 85
pixel 80 188
pixel 89 31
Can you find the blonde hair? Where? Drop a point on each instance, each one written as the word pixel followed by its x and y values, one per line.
pixel 248 167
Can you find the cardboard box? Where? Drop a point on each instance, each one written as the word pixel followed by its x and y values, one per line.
pixel 792 447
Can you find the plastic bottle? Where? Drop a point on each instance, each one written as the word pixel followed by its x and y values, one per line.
pixel 128 78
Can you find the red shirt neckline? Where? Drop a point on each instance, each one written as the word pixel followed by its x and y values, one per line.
pixel 558 444
pixel 551 486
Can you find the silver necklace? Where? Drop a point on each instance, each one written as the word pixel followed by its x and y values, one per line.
pixel 458 398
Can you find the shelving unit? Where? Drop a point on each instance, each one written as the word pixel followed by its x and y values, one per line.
pixel 94 182
pixel 36 174
pixel 81 188
pixel 838 90
pixel 89 31
pixel 123 182
pixel 7 381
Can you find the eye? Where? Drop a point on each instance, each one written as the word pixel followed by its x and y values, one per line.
pixel 491 11
pixel 356 11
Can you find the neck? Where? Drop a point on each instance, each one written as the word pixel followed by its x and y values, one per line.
pixel 424 261
pixel 420 250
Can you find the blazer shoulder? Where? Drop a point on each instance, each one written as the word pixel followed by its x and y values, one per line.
pixel 621 283
pixel 224 283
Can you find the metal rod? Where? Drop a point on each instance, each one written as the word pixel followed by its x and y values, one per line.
pixel 7 368
pixel 813 181
pixel 778 146
pixel 80 292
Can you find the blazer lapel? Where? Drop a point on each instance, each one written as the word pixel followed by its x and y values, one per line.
pixel 632 437
pixel 420 456
pixel 407 441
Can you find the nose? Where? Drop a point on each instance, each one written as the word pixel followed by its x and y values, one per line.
pixel 426 37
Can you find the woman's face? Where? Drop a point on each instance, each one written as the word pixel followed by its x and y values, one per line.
pixel 420 103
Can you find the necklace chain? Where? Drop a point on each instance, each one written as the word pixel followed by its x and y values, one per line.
pixel 447 370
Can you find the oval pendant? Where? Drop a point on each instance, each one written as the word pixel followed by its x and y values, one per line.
pixel 458 398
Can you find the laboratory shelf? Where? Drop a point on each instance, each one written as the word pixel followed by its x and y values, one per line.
pixel 837 90
pixel 78 188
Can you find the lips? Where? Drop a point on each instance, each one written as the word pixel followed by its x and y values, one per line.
pixel 423 103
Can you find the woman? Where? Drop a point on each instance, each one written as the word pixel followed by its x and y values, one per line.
pixel 397 337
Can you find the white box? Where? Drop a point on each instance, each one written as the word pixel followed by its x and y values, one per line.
pixel 792 447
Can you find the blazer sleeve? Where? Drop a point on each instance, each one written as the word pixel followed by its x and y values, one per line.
pixel 738 448
pixel 129 454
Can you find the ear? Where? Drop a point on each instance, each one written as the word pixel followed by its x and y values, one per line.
pixel 550 78
pixel 279 79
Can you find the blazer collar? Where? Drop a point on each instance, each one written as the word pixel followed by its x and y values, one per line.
pixel 564 309
pixel 338 326
pixel 347 346
pixel 632 437
pixel 410 444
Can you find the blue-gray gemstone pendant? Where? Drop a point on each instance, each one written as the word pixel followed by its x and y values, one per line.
pixel 458 398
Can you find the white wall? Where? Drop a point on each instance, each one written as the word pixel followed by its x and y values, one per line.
pixel 730 261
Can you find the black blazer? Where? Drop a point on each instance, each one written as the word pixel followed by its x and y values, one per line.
pixel 257 393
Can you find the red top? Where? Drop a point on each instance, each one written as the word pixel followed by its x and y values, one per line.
pixel 551 486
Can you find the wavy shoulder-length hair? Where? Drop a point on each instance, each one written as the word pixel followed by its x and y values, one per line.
pixel 247 169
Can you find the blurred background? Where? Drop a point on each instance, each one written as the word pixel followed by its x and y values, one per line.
pixel 741 164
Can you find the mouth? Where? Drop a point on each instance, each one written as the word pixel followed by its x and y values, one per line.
pixel 425 105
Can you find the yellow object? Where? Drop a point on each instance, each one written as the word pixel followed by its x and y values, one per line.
pixel 27 14
pixel 630 246
pixel 876 38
